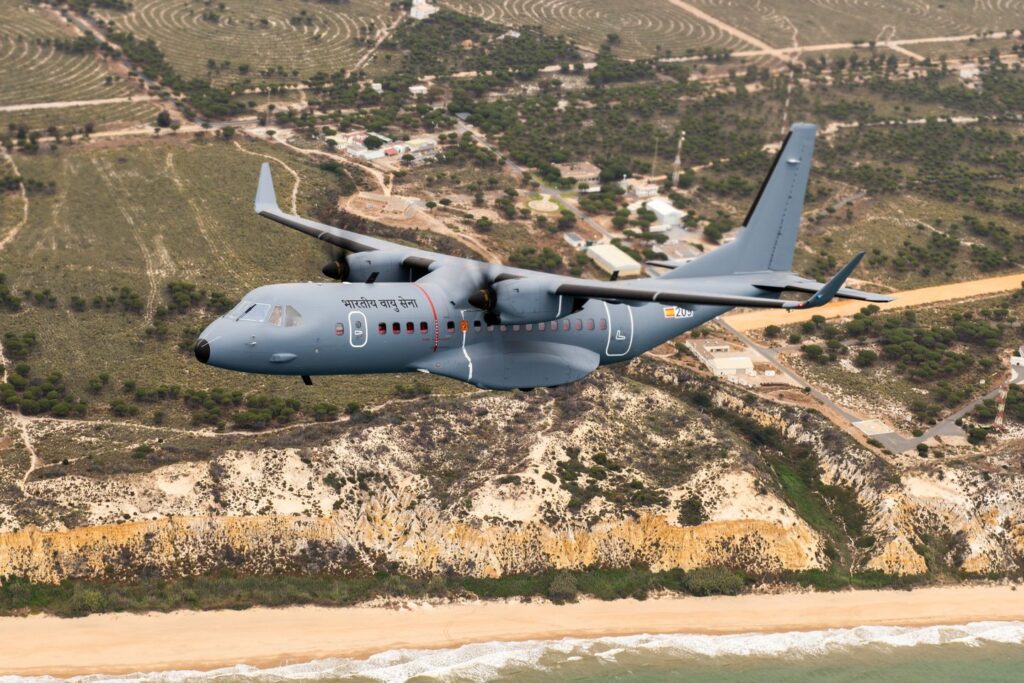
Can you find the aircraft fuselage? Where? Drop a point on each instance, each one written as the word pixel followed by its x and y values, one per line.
pixel 353 328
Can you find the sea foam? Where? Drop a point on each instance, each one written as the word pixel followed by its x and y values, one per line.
pixel 484 661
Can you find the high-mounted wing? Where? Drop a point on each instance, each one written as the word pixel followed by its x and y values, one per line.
pixel 613 291
pixel 266 206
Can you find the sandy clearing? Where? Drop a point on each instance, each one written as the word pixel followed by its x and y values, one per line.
pixel 123 643
pixel 756 320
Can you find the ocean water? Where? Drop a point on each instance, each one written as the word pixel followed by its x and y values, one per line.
pixel 981 651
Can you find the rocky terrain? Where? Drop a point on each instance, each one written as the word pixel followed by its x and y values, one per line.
pixel 648 464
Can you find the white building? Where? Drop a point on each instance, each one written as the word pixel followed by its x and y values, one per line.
pixel 731 366
pixel 641 189
pixel 418 89
pixel 421 9
pixel 668 215
pixel 574 241
pixel 611 259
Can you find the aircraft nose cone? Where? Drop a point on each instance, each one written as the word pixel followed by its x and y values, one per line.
pixel 202 350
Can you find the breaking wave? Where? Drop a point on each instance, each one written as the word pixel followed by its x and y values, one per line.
pixel 484 661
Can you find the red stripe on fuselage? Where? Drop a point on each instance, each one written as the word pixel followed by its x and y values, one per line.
pixel 437 325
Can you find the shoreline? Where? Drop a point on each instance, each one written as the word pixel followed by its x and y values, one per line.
pixel 263 637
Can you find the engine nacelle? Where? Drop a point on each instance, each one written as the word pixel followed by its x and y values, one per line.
pixel 387 265
pixel 529 301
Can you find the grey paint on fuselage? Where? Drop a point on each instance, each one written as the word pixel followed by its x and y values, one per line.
pixel 434 307
pixel 340 332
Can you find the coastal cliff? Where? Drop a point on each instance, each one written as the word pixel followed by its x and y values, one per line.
pixel 688 474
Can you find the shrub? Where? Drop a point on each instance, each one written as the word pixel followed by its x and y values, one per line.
pixel 562 588
pixel 713 581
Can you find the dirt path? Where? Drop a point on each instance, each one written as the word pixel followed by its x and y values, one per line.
pixel 762 46
pixel 21 425
pixel 295 175
pixel 383 181
pixel 385 32
pixel 13 232
pixel 896 45
pixel 76 103
pixel 152 271
pixel 756 320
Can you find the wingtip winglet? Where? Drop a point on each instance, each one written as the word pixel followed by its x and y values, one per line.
pixel 266 198
pixel 829 290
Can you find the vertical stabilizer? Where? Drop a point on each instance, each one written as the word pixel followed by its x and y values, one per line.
pixel 768 238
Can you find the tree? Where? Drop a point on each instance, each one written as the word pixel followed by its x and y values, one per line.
pixel 163 119
pixel 772 331
pixel 865 358
pixel 372 142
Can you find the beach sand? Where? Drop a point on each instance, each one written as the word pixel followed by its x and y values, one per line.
pixel 125 643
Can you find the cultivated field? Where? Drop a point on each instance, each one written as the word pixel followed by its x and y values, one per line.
pixel 642 25
pixel 784 23
pixel 31 72
pixel 262 34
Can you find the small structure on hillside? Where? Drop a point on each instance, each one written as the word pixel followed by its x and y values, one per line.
pixel 421 9
pixel 611 259
pixel 641 189
pixel 668 215
pixel 580 172
pixel 575 241
pixel 418 89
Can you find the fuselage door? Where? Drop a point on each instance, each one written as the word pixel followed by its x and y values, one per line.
pixel 357 326
pixel 620 329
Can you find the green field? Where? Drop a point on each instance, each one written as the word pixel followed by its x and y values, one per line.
pixel 138 217
pixel 262 34
pixel 642 26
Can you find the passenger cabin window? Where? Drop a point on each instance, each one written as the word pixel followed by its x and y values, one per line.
pixel 382 328
pixel 590 324
pixel 541 327
pixel 578 325
pixel 255 313
pixel 410 328
pixel 476 326
pixel 396 328
pixel 339 329
pixel 565 325
pixel 423 327
pixel 603 324
pixel 451 325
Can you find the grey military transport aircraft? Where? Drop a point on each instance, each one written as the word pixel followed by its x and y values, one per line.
pixel 393 308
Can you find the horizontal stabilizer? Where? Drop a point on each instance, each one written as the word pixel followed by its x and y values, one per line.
pixel 830 288
pixel 791 282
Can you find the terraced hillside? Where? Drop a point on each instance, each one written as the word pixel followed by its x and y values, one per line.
pixel 34 70
pixel 294 35
pixel 784 23
pixel 641 26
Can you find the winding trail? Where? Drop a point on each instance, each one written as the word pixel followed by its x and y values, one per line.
pixel 13 232
pixel 295 175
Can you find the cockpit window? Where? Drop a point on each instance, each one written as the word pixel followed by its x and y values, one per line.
pixel 292 318
pixel 275 316
pixel 255 313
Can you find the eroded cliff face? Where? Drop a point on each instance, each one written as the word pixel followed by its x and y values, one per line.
pixel 620 469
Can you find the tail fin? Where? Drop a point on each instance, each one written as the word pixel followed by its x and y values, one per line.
pixel 769 231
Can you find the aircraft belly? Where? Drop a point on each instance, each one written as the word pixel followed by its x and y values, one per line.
pixel 512 364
